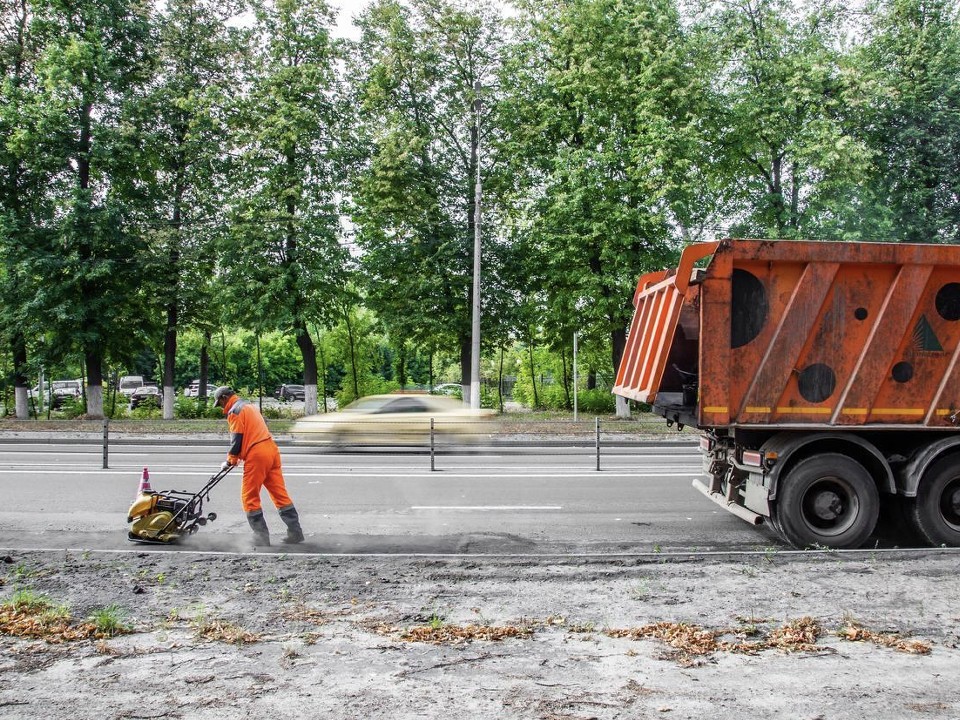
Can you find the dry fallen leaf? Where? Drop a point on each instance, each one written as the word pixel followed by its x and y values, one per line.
pixel 854 632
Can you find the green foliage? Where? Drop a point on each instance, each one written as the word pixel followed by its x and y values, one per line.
pixel 191 408
pixel 146 412
pixel 781 99
pixel 910 105
pixel 488 397
pixel 370 385
pixel 93 64
pixel 596 402
pixel 163 169
pixel 285 222
pixel 72 407
pixel 601 127
pixel 523 391
pixel 415 73
pixel 27 600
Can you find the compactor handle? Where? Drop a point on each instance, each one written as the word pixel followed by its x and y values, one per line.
pixel 222 472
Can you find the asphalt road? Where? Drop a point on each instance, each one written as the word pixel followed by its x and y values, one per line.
pixel 530 501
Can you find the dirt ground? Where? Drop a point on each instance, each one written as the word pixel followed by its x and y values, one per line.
pixel 776 634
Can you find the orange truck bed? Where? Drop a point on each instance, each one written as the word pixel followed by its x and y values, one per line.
pixel 795 333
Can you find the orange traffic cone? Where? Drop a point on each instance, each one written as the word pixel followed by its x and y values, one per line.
pixel 145 483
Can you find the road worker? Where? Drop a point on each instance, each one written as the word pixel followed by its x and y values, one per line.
pixel 251 442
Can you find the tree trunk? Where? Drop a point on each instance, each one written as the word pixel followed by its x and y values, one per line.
pixel 204 368
pixel 93 358
pixel 169 360
pixel 259 375
pixel 466 350
pixel 473 216
pixel 402 367
pixel 20 381
pixel 353 355
pixel 618 342
pixel 173 309
pixel 566 381
pixel 533 375
pixel 322 371
pixel 500 382
pixel 308 352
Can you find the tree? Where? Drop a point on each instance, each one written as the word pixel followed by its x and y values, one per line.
pixel 600 121
pixel 93 68
pixel 911 120
pixel 420 71
pixel 22 187
pixel 283 266
pixel 187 111
pixel 781 104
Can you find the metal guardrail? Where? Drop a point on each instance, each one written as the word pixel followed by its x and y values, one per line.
pixel 441 436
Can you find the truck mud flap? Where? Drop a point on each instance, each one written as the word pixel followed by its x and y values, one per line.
pixel 738 510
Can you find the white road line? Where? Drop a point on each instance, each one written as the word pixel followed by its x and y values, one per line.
pixel 486 507
pixel 413 472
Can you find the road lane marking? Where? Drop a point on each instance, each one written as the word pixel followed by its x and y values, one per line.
pixel 486 507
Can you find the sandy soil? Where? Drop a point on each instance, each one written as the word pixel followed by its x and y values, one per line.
pixel 287 636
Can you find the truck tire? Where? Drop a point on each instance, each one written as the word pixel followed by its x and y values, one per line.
pixel 828 500
pixel 936 511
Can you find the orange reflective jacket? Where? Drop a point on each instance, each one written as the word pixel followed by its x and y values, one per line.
pixel 247 427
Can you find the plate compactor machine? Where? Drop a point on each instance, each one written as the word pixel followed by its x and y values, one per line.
pixel 164 518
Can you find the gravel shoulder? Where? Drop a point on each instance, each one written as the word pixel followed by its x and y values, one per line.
pixel 225 635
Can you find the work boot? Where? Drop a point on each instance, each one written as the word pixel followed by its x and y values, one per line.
pixel 261 535
pixel 292 520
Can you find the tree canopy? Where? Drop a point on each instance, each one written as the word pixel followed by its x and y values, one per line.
pixel 214 170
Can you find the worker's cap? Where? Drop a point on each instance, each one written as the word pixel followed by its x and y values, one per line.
pixel 221 395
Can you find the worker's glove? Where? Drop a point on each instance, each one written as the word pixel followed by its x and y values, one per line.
pixel 225 464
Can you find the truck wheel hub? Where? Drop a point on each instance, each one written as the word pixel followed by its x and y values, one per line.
pixel 950 504
pixel 828 505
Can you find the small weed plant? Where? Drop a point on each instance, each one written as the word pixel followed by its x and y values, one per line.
pixel 110 621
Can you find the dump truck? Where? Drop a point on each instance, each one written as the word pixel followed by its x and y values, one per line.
pixel 823 378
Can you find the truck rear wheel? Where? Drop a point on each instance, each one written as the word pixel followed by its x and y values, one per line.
pixel 936 510
pixel 828 500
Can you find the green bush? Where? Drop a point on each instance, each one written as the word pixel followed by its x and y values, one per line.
pixel 189 408
pixel 553 397
pixel 596 402
pixel 523 391
pixel 146 412
pixel 72 407
pixel 275 413
pixel 489 398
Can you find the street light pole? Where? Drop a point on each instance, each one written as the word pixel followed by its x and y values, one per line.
pixel 475 329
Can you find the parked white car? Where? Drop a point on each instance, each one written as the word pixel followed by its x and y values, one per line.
pixel 57 391
pixel 193 389
pixel 65 389
pixel 129 383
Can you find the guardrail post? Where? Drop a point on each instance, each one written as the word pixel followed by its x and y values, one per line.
pixel 597 419
pixel 432 463
pixel 106 446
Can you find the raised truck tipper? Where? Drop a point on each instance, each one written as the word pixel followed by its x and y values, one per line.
pixel 823 378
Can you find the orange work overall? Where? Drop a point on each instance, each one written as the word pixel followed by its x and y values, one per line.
pixel 253 444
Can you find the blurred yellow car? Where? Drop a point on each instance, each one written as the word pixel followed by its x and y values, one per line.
pixel 401 419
